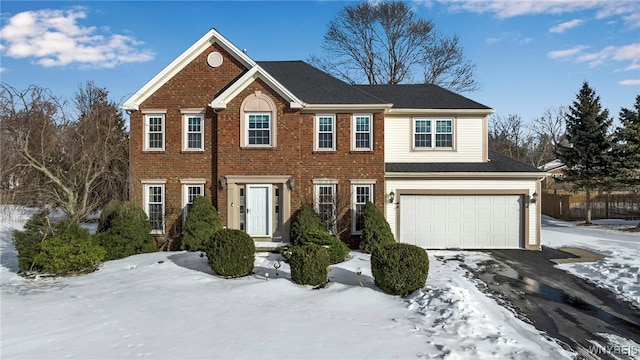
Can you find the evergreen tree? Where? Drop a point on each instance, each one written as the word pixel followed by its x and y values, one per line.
pixel 587 155
pixel 201 224
pixel 626 147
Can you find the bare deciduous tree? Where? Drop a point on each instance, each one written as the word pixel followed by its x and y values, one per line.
pixel 75 164
pixel 385 43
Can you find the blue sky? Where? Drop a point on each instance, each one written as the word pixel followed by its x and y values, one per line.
pixel 530 55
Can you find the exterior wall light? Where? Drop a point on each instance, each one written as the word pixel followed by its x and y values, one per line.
pixel 392 197
pixel 534 198
pixel 223 183
pixel 291 183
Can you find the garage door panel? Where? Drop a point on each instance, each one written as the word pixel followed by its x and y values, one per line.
pixel 461 221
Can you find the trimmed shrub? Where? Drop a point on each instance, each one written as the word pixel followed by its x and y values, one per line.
pixel 375 229
pixel 231 253
pixel 69 250
pixel 309 264
pixel 201 224
pixel 124 230
pixel 337 250
pixel 27 241
pixel 285 251
pixel 399 269
pixel 305 219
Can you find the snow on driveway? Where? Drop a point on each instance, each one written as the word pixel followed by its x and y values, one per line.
pixel 618 271
pixel 169 305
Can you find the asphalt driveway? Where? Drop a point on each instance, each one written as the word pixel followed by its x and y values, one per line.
pixel 566 307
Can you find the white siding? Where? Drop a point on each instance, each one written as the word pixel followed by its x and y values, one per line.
pixel 468 136
pixel 484 186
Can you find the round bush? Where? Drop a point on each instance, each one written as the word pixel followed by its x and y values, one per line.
pixel 337 250
pixel 375 229
pixel 70 250
pixel 399 269
pixel 124 230
pixel 303 220
pixel 309 264
pixel 201 224
pixel 231 253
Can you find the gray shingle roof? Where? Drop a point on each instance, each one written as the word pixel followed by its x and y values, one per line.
pixel 314 86
pixel 498 163
pixel 421 96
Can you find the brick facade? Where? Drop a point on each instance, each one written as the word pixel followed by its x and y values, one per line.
pixel 195 87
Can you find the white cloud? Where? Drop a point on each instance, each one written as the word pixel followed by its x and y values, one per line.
pixel 558 54
pixel 513 36
pixel 562 27
pixel 54 38
pixel 629 82
pixel 2 69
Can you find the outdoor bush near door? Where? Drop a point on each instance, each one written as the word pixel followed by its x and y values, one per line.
pixel 201 224
pixel 309 264
pixel 337 250
pixel 399 269
pixel 123 230
pixel 231 253
pixel 375 229
pixel 305 219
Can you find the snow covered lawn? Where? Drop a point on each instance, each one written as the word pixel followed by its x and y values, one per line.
pixel 170 305
pixel 618 271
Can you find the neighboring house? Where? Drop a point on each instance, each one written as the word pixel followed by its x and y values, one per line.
pixel 262 138
pixel 555 171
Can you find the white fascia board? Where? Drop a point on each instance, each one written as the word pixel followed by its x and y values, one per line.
pixel 211 37
pixel 256 72
pixel 467 175
pixel 346 107
pixel 481 112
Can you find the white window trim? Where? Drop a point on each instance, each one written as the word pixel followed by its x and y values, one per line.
pixel 185 131
pixel 147 185
pixel 433 134
pixel 146 125
pixel 354 185
pixel 316 194
pixel 271 130
pixel 353 132
pixel 316 133
pixel 185 195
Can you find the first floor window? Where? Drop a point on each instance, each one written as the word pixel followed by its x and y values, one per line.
pixel 154 198
pixel 259 129
pixel 154 132
pixel 361 195
pixel 326 205
pixel 193 132
pixel 190 193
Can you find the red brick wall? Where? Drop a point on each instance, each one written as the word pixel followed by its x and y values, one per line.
pixel 196 86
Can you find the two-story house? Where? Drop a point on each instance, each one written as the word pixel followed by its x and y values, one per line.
pixel 263 138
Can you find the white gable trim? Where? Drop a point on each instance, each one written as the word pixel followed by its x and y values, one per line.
pixel 250 76
pixel 211 37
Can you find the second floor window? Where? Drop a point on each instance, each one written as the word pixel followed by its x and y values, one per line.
pixel 154 132
pixel 362 132
pixel 259 129
pixel 325 132
pixel 193 132
pixel 432 133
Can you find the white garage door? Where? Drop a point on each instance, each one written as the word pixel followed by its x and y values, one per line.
pixel 461 221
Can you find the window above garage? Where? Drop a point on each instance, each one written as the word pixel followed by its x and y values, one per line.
pixel 433 134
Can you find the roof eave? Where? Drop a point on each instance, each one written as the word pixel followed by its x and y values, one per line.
pixel 403 111
pixel 467 174
pixel 346 107
pixel 211 37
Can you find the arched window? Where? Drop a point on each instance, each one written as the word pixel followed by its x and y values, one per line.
pixel 258 117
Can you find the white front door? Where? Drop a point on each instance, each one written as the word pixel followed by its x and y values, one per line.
pixel 258 220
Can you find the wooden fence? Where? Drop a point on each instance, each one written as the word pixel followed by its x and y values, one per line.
pixel 609 205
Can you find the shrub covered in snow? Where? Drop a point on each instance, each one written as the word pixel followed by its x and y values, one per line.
pixel 27 241
pixel 309 264
pixel 123 230
pixel 375 229
pixel 231 253
pixel 201 224
pixel 69 250
pixel 303 220
pixel 399 269
pixel 337 250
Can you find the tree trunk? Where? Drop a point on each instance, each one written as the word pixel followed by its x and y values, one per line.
pixel 588 204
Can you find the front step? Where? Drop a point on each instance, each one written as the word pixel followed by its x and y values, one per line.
pixel 268 246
